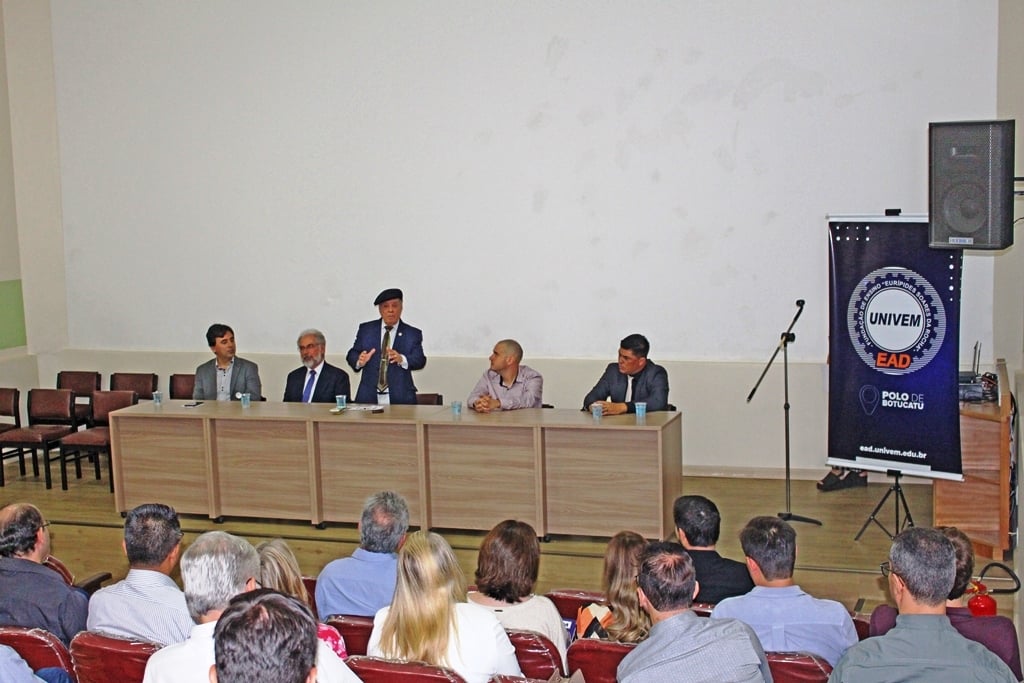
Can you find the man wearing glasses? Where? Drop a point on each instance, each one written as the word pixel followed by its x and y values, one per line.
pixel 634 378
pixel 317 381
pixel 32 595
pixel 923 646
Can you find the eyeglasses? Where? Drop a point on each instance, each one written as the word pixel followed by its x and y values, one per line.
pixel 887 569
pixel 44 525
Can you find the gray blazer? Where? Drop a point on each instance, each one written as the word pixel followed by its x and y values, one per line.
pixel 245 378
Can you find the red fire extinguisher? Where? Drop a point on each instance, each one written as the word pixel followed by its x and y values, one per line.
pixel 982 604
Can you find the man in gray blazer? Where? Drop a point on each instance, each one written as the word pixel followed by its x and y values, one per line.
pixel 226 377
pixel 634 378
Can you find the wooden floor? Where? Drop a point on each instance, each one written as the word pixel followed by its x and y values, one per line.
pixel 86 532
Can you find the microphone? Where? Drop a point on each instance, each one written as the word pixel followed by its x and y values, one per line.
pixel 800 303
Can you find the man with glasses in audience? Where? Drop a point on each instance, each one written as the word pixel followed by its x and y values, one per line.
pixel 147 604
pixel 317 381
pixel 923 646
pixel 32 595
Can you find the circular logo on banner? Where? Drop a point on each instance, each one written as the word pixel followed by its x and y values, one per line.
pixel 896 321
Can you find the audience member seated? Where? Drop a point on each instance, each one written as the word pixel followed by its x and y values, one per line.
pixel 997 633
pixel 214 569
pixel 507 385
pixel 698 525
pixel 506 572
pixel 32 595
pixel 683 646
pixel 621 619
pixel 363 583
pixel 430 621
pixel 13 669
pixel 265 637
pixel 147 604
pixel 923 646
pixel 280 571
pixel 785 618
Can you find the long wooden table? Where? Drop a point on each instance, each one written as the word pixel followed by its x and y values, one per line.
pixel 558 470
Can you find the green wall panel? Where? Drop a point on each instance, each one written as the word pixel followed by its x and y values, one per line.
pixel 12 315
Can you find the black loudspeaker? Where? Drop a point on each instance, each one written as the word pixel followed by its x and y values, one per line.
pixel 970 184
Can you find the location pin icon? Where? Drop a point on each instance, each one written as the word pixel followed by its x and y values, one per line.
pixel 869 399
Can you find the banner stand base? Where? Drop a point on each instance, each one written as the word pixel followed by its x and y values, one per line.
pixel 900 500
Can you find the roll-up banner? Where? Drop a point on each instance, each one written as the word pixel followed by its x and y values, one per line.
pixel 894 329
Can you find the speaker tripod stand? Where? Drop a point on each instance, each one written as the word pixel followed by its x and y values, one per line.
pixel 900 500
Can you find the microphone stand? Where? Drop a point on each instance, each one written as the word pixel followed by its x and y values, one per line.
pixel 786 339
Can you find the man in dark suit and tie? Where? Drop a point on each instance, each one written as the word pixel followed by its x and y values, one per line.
pixel 389 350
pixel 317 381
pixel 634 378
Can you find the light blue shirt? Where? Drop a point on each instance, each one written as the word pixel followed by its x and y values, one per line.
pixel 786 619
pixel 13 668
pixel 147 605
pixel 357 585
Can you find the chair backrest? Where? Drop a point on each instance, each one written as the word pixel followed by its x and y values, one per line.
pixel 376 670
pixel 10 404
pixel 48 406
pixel 106 402
pixel 82 382
pixel 142 383
pixel 797 667
pixel 862 624
pixel 537 655
pixel 428 399
pixel 568 601
pixel 40 649
pixel 355 630
pixel 103 659
pixel 182 386
pixel 310 583
pixel 597 659
pixel 702 609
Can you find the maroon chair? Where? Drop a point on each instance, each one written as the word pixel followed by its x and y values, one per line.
pixel 597 659
pixel 355 630
pixel 142 383
pixel 429 399
pixel 181 386
pixel 44 407
pixel 797 667
pixel 95 441
pixel 10 407
pixel 862 624
pixel 310 583
pixel 103 659
pixel 376 670
pixel 702 609
pixel 538 657
pixel 568 601
pixel 40 649
pixel 84 383
pixel 89 584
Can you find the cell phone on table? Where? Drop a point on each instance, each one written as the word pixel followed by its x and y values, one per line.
pixel 193 404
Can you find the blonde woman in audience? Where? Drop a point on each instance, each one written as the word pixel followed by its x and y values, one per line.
pixel 506 572
pixel 280 571
pixel 621 619
pixel 430 621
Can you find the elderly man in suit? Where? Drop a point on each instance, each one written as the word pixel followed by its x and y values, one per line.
pixel 226 376
pixel 317 381
pixel 389 349
pixel 634 378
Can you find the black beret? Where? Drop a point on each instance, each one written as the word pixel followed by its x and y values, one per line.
pixel 388 295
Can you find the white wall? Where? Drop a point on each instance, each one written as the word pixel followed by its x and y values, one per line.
pixel 564 173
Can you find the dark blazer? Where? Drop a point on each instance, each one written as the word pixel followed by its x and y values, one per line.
pixel 245 378
pixel 405 339
pixel 650 385
pixel 719 577
pixel 333 381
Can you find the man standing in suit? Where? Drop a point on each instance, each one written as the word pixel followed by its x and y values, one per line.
pixel 390 350
pixel 317 381
pixel 226 377
pixel 634 378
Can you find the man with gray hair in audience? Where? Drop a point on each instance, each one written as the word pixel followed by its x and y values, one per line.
pixel 147 604
pixel 923 646
pixel 214 569
pixel 363 583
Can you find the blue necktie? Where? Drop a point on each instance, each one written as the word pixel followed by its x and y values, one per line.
pixel 308 391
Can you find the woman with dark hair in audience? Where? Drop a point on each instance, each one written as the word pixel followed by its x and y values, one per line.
pixel 621 619
pixel 280 571
pixel 506 572
pixel 430 621
pixel 996 633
